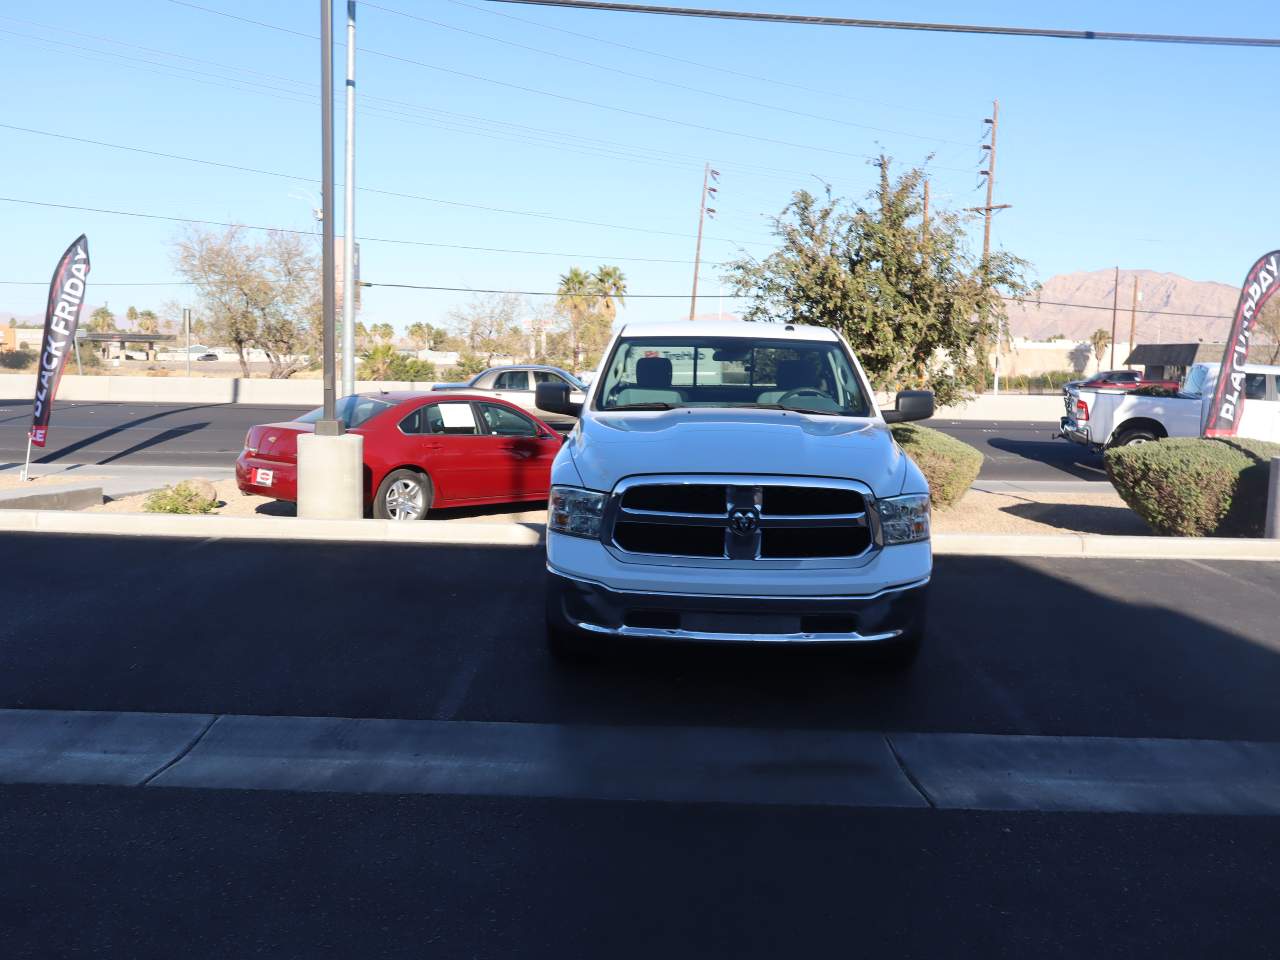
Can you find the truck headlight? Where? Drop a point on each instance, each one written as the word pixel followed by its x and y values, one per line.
pixel 904 519
pixel 575 511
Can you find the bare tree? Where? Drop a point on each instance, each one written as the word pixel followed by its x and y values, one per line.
pixel 488 325
pixel 1268 345
pixel 264 294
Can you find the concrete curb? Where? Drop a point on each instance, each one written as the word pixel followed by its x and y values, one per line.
pixel 64 496
pixel 269 528
pixel 531 534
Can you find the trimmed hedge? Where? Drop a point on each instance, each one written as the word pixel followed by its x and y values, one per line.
pixel 950 465
pixel 1195 487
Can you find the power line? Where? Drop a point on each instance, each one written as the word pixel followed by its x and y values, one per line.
pixel 822 21
pixel 545 93
pixel 534 293
pixel 659 80
pixel 530 135
pixel 374 190
pixel 363 239
pixel 640 296
pixel 702 65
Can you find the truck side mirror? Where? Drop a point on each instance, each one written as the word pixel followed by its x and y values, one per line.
pixel 910 405
pixel 554 398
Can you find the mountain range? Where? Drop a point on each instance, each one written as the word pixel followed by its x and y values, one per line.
pixel 1074 305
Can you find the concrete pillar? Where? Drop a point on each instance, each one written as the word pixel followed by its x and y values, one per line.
pixel 331 477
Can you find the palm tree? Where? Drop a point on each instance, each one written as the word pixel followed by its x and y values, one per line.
pixel 1099 340
pixel 611 286
pixel 576 295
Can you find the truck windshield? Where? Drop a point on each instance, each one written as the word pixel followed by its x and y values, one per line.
pixel 668 372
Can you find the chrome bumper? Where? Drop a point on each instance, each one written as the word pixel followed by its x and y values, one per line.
pixel 593 611
pixel 1068 428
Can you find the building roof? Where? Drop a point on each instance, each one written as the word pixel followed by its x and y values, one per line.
pixel 1174 354
pixel 729 328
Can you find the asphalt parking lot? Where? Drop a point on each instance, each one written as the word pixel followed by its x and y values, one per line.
pixel 1030 648
pixel 211 435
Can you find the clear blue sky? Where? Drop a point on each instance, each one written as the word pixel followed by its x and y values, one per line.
pixel 1146 156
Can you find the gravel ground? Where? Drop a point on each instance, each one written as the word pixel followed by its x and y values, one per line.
pixel 233 503
pixel 1102 512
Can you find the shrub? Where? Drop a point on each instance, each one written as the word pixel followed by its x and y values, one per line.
pixel 1195 487
pixel 16 359
pixel 950 465
pixel 184 498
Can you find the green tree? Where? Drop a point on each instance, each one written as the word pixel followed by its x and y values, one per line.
pixel 1099 340
pixel 611 287
pixel 589 302
pixel 918 307
pixel 102 320
pixel 1267 346
pixel 378 362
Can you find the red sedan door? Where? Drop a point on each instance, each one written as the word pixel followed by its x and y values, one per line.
pixel 445 438
pixel 520 451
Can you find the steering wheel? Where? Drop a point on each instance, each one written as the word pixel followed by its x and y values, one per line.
pixel 801 392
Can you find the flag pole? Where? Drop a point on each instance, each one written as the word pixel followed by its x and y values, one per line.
pixel 26 466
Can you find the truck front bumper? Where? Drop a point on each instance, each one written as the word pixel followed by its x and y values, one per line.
pixel 593 612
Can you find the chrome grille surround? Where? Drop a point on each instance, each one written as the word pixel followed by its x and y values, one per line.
pixel 744 499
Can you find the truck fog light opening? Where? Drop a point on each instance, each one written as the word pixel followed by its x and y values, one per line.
pixel 575 511
pixel 904 519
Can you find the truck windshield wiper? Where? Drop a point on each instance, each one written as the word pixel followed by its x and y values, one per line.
pixel 651 405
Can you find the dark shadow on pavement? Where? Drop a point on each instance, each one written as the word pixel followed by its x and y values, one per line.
pixel 1045 647
pixel 79 445
pixel 154 441
pixel 1070 458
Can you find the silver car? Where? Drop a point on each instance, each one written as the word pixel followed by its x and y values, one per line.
pixel 518 384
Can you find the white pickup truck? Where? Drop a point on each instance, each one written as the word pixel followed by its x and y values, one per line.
pixel 735 483
pixel 1101 418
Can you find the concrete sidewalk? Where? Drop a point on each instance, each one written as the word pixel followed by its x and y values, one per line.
pixel 121 480
pixel 939 771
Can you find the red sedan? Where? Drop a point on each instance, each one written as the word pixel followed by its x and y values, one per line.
pixel 420 451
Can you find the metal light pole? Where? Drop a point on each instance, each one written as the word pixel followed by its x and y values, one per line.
pixel 349 216
pixel 186 322
pixel 329 425
pixel 330 460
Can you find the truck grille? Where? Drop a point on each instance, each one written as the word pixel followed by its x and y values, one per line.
pixel 745 520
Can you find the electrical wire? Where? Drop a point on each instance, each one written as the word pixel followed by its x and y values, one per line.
pixel 658 80
pixel 702 65
pixel 546 93
pixel 823 21
pixel 373 190
pixel 641 296
pixel 307 233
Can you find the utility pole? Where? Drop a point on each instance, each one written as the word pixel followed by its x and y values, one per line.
pixel 703 210
pixel 924 229
pixel 988 209
pixel 349 216
pixel 1115 304
pixel 186 322
pixel 1133 316
pixel 990 173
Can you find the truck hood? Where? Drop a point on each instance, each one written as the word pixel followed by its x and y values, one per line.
pixel 609 446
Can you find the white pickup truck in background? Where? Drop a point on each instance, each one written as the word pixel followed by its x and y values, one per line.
pixel 1101 418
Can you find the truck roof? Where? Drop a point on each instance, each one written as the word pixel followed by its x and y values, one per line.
pixel 729 328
